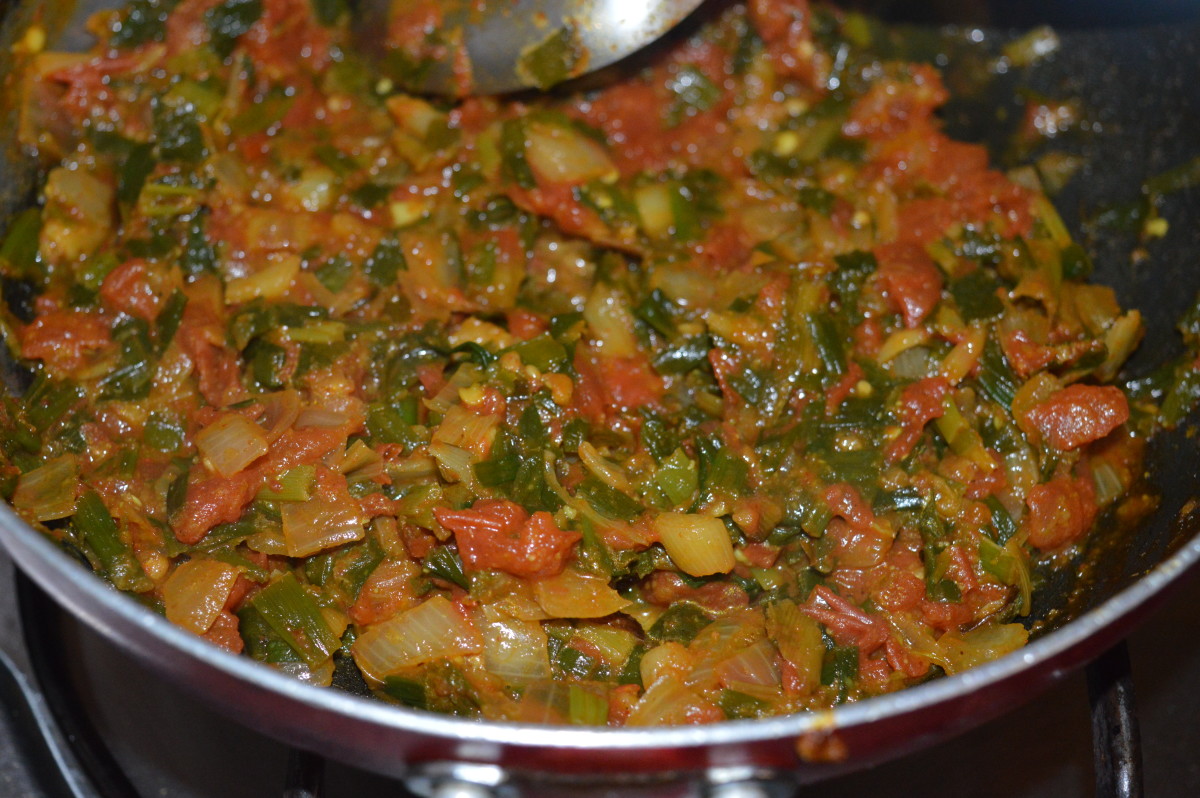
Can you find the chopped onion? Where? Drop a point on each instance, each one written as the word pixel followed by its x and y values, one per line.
pixel 561 154
pixel 513 649
pixel 456 465
pixel 231 443
pixel 319 524
pixel 608 473
pixel 269 282
pixel 322 417
pixel 571 594
pixel 753 665
pixel 280 411
pixel 799 640
pixel 669 702
pixel 467 430
pixel 320 675
pixel 901 341
pixel 969 649
pixel 668 659
pixel 432 630
pixel 196 591
pixel 960 360
pixel 611 321
pixel 698 544
pixel 653 203
pixel 447 397
pixel 48 492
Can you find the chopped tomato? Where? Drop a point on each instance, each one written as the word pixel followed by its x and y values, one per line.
pixel 1080 414
pixel 912 281
pixel 224 632
pixel 498 534
pixel 1060 511
pixel 664 588
pixel 842 388
pixel 920 403
pixel 127 290
pixel 848 624
pixel 64 338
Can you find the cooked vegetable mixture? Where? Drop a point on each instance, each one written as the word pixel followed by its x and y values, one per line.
pixel 733 389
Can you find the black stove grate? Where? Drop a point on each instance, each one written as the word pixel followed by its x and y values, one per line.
pixel 1114 723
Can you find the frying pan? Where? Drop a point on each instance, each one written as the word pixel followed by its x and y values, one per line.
pixel 1142 107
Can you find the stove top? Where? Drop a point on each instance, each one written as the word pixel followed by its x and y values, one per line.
pixel 169 745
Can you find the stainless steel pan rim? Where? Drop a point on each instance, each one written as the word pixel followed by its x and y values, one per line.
pixel 135 627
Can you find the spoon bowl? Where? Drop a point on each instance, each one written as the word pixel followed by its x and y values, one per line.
pixel 465 47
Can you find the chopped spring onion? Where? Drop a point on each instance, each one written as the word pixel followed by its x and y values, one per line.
pixel 1009 564
pixel 101 534
pixel 293 614
pixel 318 524
pixel 231 443
pixel 48 492
pixel 196 591
pixel 698 544
pixel 962 437
pixel 571 594
pixel 432 630
pixel 293 485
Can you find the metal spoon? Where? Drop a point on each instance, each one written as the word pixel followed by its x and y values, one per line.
pixel 508 44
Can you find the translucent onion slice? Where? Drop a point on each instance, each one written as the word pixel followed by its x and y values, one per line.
pixel 514 649
pixel 319 524
pixel 669 702
pixel 969 649
pixel 561 154
pixel 432 630
pixel 799 640
pixel 571 594
pixel 196 591
pixel 48 492
pixel 754 665
pixel 270 282
pixel 231 443
pixel 698 544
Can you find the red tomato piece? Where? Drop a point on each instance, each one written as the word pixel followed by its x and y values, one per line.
pixel 911 279
pixel 499 534
pixel 63 338
pixel 1060 511
pixel 920 403
pixel 848 624
pixel 1080 414
pixel 126 289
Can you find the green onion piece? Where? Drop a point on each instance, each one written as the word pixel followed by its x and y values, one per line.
pixel 587 705
pixel 677 477
pixel 101 534
pixel 20 248
pixel 294 615
pixel 444 563
pixel 1010 565
pixel 293 485
pixel 840 666
pixel 962 437
pixel 552 60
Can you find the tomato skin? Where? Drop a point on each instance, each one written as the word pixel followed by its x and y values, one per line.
pixel 224 632
pixel 848 624
pixel 911 279
pixel 664 588
pixel 498 534
pixel 63 338
pixel 1060 511
pixel 1080 414
pixel 127 290
pixel 920 403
